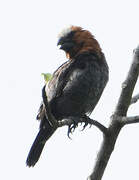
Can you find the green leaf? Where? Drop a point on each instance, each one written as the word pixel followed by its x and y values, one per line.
pixel 47 77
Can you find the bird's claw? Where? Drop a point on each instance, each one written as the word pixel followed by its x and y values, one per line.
pixel 86 123
pixel 84 126
pixel 72 127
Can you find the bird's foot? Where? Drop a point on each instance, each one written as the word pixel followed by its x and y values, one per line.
pixel 76 121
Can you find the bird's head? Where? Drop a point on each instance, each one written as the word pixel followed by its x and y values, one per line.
pixel 75 40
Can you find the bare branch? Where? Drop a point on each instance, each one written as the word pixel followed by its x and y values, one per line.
pixel 134 99
pixel 99 126
pixel 128 86
pixel 115 126
pixel 130 120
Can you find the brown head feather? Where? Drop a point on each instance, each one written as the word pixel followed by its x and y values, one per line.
pixel 85 41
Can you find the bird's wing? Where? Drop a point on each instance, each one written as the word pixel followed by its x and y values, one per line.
pixel 58 81
pixel 54 87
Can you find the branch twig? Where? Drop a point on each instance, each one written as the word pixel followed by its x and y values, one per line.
pixel 130 120
pixel 134 99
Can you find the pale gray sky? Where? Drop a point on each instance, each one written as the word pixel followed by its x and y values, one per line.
pixel 28 37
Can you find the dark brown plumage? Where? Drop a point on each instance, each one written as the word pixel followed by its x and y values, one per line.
pixel 76 86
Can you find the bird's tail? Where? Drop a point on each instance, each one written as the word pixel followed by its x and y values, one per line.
pixel 44 134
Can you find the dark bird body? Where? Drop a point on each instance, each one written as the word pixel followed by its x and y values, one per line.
pixel 76 86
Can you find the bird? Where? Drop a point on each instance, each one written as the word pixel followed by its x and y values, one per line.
pixel 75 87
